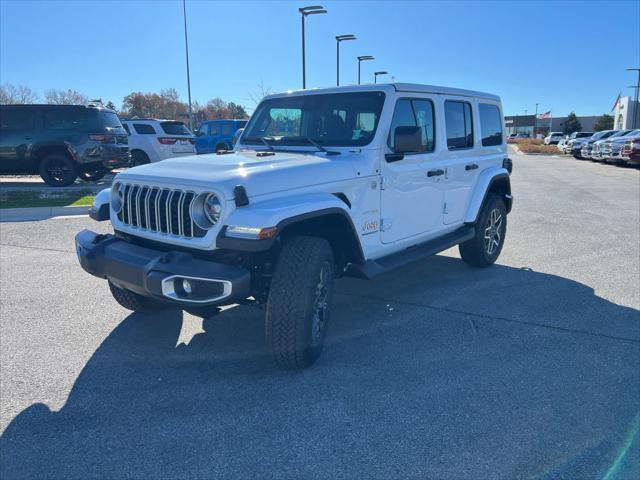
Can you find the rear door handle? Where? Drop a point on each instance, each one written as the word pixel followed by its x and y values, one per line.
pixel 435 173
pixel 471 166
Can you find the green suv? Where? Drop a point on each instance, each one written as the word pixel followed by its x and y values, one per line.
pixel 61 142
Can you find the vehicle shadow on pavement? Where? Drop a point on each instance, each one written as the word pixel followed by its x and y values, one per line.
pixel 436 371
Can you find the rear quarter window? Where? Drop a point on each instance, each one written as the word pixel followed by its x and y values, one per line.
pixel 16 119
pixel 144 129
pixel 175 128
pixel 490 125
pixel 227 129
pixel 64 118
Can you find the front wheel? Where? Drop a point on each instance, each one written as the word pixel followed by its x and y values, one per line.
pixel 485 247
pixel 299 302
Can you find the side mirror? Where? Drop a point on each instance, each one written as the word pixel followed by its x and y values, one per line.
pixel 407 140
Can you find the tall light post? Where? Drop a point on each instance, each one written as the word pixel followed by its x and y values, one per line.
pixel 375 75
pixel 535 122
pixel 637 87
pixel 340 38
pixel 362 59
pixel 304 11
pixel 186 47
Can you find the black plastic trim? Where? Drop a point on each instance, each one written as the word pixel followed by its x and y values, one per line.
pixel 142 270
pixel 101 214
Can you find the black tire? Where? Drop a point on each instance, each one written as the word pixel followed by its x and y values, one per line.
pixel 485 247
pixel 133 301
pixel 57 170
pixel 93 176
pixel 138 157
pixel 299 304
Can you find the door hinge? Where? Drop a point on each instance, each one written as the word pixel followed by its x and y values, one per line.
pixel 385 225
pixel 381 183
pixel 444 208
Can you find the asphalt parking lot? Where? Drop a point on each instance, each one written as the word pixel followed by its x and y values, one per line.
pixel 528 369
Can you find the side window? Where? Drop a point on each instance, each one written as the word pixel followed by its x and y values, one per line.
pixel 144 129
pixel 490 125
pixel 126 127
pixel 414 113
pixel 214 130
pixel 227 130
pixel 459 124
pixel 64 119
pixel 16 120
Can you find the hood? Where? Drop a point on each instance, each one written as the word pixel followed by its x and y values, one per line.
pixel 259 175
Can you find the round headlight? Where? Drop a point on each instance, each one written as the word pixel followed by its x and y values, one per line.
pixel 206 210
pixel 117 197
pixel 212 208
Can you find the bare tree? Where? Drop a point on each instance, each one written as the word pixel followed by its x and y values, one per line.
pixel 65 97
pixel 261 92
pixel 21 94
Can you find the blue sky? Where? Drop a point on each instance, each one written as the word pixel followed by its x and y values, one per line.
pixel 563 55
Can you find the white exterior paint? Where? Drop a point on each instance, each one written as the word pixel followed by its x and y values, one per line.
pixel 151 146
pixel 393 205
pixel 623 114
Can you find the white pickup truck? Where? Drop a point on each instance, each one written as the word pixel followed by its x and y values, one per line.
pixel 322 183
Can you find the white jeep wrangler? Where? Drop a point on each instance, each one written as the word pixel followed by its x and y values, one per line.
pixel 322 183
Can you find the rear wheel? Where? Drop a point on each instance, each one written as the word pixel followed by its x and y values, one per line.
pixel 133 301
pixel 138 157
pixel 485 247
pixel 92 176
pixel 299 302
pixel 57 170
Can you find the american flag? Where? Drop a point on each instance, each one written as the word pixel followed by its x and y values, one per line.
pixel 615 104
pixel 545 115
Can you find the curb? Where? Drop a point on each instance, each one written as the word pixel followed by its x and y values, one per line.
pixel 39 213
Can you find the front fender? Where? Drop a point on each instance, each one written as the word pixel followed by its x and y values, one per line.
pixel 483 186
pixel 279 213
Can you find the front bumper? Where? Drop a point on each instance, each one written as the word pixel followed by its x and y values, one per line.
pixel 160 275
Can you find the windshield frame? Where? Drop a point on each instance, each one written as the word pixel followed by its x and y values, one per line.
pixel 297 102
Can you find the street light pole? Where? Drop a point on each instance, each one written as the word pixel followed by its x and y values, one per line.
pixel 361 59
pixel 340 38
pixel 375 75
pixel 535 122
pixel 637 87
pixel 186 47
pixel 304 11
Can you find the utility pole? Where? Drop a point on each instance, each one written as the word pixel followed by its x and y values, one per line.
pixel 186 47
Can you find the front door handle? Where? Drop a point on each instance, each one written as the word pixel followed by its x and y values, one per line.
pixel 471 166
pixel 435 173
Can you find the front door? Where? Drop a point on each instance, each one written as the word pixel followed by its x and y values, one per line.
pixel 412 192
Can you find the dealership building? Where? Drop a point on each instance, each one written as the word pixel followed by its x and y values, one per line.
pixel 542 126
pixel 622 113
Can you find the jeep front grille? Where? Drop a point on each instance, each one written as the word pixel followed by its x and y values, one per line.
pixel 160 210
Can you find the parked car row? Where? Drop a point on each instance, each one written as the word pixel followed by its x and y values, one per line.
pixel 610 146
pixel 64 142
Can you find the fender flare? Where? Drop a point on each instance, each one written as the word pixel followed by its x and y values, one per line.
pixel 483 186
pixel 283 213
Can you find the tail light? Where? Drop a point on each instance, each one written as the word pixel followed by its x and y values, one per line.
pixel 167 140
pixel 102 138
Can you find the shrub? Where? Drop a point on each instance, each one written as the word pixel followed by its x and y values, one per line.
pixel 535 145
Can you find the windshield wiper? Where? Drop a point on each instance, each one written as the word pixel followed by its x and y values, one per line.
pixel 267 141
pixel 318 146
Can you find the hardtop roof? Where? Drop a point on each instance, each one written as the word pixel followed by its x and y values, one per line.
pixel 397 87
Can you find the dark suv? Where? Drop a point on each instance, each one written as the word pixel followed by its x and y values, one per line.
pixel 61 142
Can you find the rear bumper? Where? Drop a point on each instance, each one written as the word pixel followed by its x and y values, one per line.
pixel 105 156
pixel 160 275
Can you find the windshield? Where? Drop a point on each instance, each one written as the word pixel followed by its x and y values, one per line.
pixel 621 133
pixel 342 119
pixel 175 128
